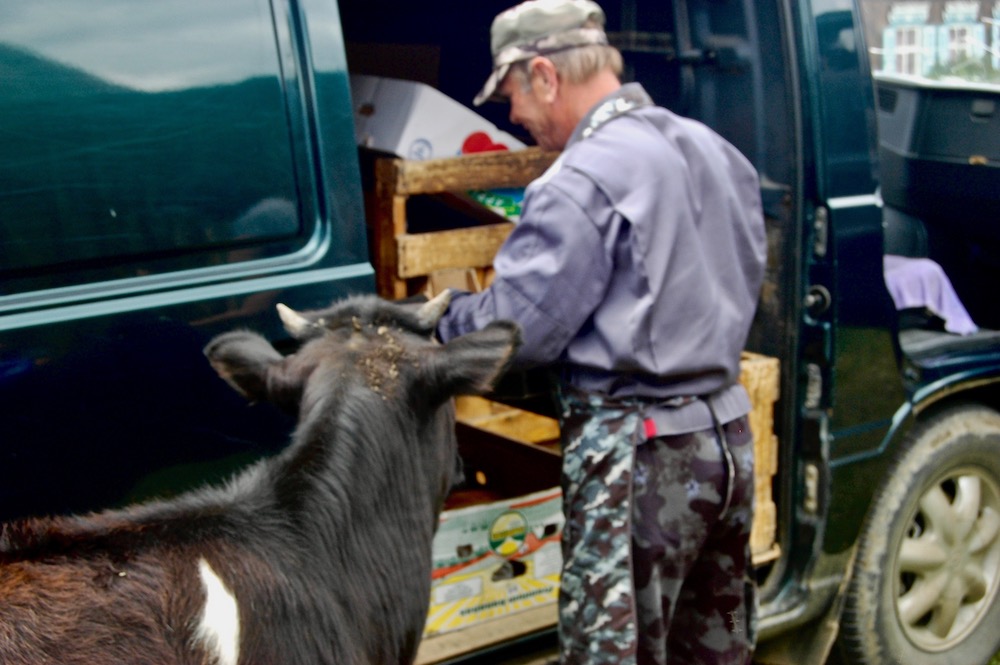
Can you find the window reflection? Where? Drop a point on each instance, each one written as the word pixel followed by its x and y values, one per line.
pixel 140 128
pixel 147 45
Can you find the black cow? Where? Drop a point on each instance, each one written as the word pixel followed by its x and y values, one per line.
pixel 321 554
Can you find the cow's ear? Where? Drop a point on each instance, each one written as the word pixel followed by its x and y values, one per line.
pixel 244 359
pixel 471 364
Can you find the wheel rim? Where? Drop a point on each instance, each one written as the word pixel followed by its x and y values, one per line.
pixel 948 564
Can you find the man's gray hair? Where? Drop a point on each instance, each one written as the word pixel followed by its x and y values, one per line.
pixel 576 65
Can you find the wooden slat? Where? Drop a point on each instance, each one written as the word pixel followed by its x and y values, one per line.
pixel 390 221
pixel 485 170
pixel 471 408
pixel 520 426
pixel 760 376
pixel 506 420
pixel 419 254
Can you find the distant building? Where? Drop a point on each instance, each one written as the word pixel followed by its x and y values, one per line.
pixel 995 37
pixel 930 37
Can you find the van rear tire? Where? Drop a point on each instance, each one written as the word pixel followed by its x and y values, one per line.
pixel 926 583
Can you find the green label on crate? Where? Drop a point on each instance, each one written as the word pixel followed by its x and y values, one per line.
pixel 507 533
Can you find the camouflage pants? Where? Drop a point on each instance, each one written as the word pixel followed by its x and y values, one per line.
pixel 656 565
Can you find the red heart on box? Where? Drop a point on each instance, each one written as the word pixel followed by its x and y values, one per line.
pixel 480 142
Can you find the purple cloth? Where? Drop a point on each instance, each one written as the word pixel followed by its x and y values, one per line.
pixel 923 283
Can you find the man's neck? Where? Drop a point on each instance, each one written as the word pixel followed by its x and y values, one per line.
pixel 579 99
pixel 582 98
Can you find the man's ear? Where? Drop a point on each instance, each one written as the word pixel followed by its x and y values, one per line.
pixel 543 73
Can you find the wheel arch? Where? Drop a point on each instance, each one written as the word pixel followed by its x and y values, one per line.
pixel 979 388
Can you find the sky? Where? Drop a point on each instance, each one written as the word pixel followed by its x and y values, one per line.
pixel 183 43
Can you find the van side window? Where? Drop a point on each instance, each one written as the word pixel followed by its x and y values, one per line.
pixel 133 134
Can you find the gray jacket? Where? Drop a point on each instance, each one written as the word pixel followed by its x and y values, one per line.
pixel 637 263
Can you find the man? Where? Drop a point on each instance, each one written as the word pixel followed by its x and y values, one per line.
pixel 635 271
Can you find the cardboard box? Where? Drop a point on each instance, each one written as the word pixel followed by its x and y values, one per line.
pixel 415 121
pixel 494 559
pixel 501 554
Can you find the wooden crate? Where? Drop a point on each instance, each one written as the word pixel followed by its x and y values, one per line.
pixel 404 261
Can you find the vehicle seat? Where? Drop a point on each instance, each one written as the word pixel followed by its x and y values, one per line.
pixel 923 334
pixel 904 234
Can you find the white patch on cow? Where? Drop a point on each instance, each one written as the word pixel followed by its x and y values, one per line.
pixel 219 628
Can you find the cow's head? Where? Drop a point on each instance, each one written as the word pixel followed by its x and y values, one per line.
pixel 374 365
pixel 387 345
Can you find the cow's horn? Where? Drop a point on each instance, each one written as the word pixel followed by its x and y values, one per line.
pixel 431 311
pixel 294 322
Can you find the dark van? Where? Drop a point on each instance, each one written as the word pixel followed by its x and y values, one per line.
pixel 171 170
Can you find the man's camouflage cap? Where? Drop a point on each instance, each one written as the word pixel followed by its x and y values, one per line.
pixel 540 27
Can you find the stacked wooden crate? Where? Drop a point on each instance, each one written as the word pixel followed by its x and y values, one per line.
pixel 405 261
pixel 760 376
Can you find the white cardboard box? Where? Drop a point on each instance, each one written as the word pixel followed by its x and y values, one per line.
pixel 416 121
